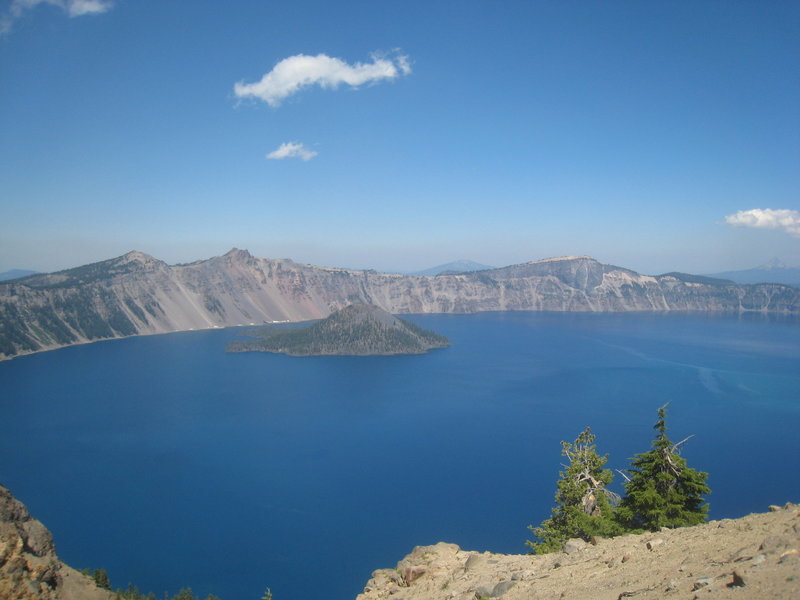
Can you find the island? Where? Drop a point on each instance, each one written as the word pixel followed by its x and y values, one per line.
pixel 137 294
pixel 355 330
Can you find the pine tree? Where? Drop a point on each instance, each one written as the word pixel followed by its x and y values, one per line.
pixel 662 491
pixel 583 504
pixel 100 577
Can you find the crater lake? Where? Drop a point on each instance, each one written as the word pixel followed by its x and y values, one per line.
pixel 170 463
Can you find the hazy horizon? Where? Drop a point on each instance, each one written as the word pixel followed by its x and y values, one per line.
pixel 655 136
pixel 401 271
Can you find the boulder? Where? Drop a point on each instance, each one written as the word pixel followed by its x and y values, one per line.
pixel 574 545
pixel 29 566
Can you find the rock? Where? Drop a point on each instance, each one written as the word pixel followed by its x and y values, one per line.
pixel 738 580
pixel 706 561
pixel 654 543
pixel 725 523
pixel 37 538
pixel 792 554
pixel 411 574
pixel 574 545
pixel 773 508
pixel 617 560
pixel 11 509
pixel 29 567
pixel 501 588
pixel 773 544
pixel 702 582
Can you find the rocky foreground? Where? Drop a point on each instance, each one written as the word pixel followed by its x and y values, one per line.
pixel 29 567
pixel 754 557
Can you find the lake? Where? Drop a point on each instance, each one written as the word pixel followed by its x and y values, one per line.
pixel 170 463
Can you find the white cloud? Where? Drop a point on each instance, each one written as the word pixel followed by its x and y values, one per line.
pixel 74 8
pixel 767 218
pixel 292 150
pixel 292 74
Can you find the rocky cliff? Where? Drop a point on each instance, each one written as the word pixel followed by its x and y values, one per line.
pixel 29 567
pixel 753 557
pixel 138 294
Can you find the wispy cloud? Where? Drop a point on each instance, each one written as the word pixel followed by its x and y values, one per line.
pixel 292 150
pixel 767 218
pixel 74 8
pixel 293 74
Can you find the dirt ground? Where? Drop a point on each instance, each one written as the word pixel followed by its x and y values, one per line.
pixel 755 557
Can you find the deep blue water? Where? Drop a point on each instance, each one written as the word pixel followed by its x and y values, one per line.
pixel 170 463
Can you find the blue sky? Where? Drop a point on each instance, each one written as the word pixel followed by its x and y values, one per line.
pixel 402 134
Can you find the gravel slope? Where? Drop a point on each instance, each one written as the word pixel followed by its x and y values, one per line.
pixel 749 558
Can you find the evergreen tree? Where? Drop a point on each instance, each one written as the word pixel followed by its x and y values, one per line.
pixel 583 504
pixel 101 579
pixel 662 491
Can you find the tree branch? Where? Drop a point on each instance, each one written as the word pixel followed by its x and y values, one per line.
pixel 679 444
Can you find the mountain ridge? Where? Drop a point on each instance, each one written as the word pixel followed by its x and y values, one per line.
pixel 457 266
pixel 16 274
pixel 137 294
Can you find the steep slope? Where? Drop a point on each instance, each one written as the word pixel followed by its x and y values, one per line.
pixel 753 557
pixel 138 294
pixel 355 330
pixel 29 567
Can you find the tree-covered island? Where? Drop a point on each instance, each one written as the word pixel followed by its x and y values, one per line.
pixel 355 330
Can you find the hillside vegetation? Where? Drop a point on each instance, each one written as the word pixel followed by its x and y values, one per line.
pixel 356 330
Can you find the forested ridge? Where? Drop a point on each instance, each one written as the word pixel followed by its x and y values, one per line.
pixel 353 330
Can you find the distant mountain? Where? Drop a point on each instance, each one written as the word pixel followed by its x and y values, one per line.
pixel 772 272
pixel 15 274
pixel 137 294
pixel 451 268
pixel 355 330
